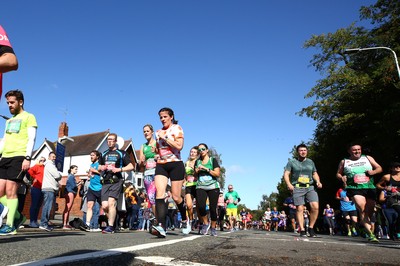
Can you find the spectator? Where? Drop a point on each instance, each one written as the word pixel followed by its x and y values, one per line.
pixel 36 173
pixel 50 186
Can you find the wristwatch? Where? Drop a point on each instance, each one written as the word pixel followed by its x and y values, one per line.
pixel 28 158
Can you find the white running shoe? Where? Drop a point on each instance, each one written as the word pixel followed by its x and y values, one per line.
pixel 3 214
pixel 186 227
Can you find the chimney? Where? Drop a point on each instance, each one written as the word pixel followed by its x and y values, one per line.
pixel 63 130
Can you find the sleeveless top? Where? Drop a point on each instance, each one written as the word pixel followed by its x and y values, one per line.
pixel 393 196
pixel 356 173
pixel 205 180
pixel 191 179
pixel 150 162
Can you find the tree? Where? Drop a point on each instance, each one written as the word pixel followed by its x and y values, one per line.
pixel 213 152
pixel 357 98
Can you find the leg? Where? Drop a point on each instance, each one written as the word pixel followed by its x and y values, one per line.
pixel 12 202
pixel 112 211
pixel 313 213
pixel 361 203
pixel 300 216
pixel 89 212
pixel 161 186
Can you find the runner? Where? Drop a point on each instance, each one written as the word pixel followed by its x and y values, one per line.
pixel 169 167
pixel 300 175
pixel 191 182
pixel 357 173
pixel 232 199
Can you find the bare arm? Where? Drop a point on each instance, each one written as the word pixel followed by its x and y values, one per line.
pixel 317 179
pixel 377 168
pixel 8 62
pixel 382 183
pixel 339 173
pixel 286 177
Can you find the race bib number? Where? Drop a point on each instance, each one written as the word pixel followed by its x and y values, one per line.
pixel 165 152
pixel 190 178
pixel 110 166
pixel 14 126
pixel 361 179
pixel 303 179
pixel 150 164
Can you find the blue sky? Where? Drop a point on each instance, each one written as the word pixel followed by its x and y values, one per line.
pixel 234 72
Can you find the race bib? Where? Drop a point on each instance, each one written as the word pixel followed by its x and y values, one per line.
pixel 14 126
pixel 303 179
pixel 190 178
pixel 150 163
pixel 110 166
pixel 361 178
pixel 165 152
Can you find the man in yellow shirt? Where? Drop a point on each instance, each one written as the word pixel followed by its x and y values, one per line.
pixel 16 149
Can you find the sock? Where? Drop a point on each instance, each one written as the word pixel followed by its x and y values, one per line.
pixel 182 210
pixel 161 211
pixel 12 205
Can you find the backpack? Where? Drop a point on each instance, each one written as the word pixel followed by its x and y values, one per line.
pixel 77 223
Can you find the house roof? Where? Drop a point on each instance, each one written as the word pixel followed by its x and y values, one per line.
pixel 84 144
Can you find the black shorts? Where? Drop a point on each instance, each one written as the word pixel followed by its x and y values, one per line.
pixel 191 190
pixel 175 171
pixel 369 193
pixel 292 215
pixel 93 195
pixel 11 168
pixel 111 190
pixel 349 213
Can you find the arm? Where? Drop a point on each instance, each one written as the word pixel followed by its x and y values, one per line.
pixel 141 156
pixel 382 183
pixel 339 173
pixel 29 147
pixel 317 179
pixel 175 143
pixel 377 168
pixel 286 177
pixel 8 62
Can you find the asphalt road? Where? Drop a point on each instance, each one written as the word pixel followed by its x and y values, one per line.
pixel 251 247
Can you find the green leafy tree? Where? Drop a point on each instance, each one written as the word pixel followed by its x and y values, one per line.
pixel 357 98
pixel 213 152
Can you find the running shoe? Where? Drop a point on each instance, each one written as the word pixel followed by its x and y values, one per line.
pixel 33 224
pixel 372 238
pixel 67 227
pixel 349 233
pixel 311 232
pixel 85 227
pixel 94 230
pixel 158 231
pixel 354 232
pixel 213 232
pixel 47 228
pixel 19 222
pixel 186 228
pixel 204 229
pixel 108 230
pixel 3 214
pixel 303 234
pixel 7 230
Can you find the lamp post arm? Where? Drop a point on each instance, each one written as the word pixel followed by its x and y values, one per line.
pixel 375 48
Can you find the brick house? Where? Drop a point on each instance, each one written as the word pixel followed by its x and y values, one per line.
pixel 77 152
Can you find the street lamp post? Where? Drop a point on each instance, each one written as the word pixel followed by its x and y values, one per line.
pixel 356 50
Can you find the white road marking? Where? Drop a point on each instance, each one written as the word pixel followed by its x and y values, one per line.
pixel 170 261
pixel 105 253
